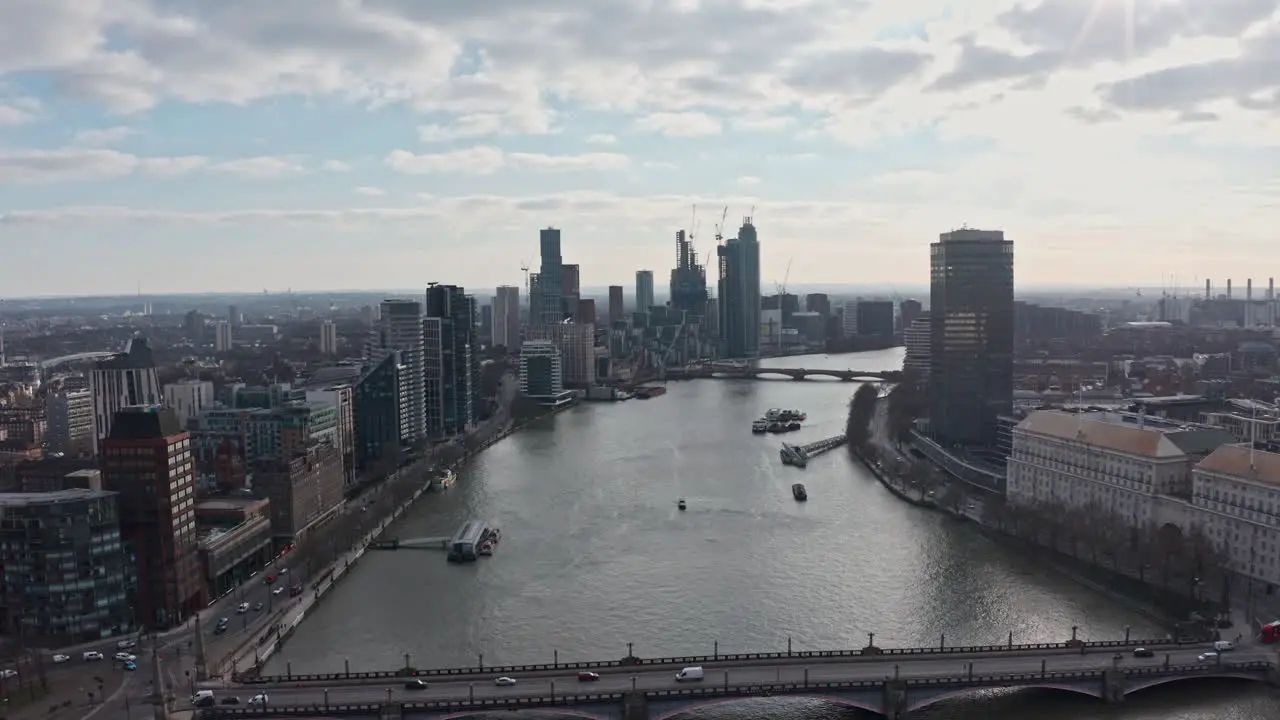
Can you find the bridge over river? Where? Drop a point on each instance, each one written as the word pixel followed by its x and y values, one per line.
pixel 890 681
pixel 694 372
pixel 893 687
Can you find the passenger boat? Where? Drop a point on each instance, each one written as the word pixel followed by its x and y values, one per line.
pixel 799 493
pixel 760 427
pixel 681 504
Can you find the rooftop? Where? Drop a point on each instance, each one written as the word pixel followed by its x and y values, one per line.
pixel 50 498
pixel 1238 461
pixel 1127 433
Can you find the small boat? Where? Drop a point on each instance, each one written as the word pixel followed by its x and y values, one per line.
pixel 760 427
pixel 799 493
pixel 486 549
pixel 793 426
pixel 681 504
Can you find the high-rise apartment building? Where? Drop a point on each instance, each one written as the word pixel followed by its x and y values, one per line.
pixel 147 460
pixel 917 338
pixel 908 311
pixel 739 291
pixel 380 412
pixel 644 290
pixel 541 375
pixel 328 338
pixel 188 398
pixel 971 336
pixel 506 318
pixel 305 491
pixel 448 361
pixel 548 305
pixel 400 328
pixel 70 414
pixel 617 308
pixel 222 336
pixel 125 380
pixel 572 290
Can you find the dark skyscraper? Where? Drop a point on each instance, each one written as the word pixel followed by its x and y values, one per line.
pixel 688 281
pixel 617 308
pixel 548 304
pixel 971 335
pixel 449 361
pixel 739 291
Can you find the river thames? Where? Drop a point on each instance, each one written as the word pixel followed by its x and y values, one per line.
pixel 596 555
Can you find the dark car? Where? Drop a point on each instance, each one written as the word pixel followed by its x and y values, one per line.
pixel 1143 652
pixel 588 676
pixel 416 685
pixel 231 700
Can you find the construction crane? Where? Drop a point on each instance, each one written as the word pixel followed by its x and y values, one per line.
pixel 665 358
pixel 720 225
pixel 782 291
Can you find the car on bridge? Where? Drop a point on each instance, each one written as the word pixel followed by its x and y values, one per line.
pixel 586 676
pixel 416 685
pixel 504 681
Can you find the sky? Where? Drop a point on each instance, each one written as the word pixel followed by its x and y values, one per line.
pixel 237 145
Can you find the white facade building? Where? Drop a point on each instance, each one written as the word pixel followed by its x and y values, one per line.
pixel 918 339
pixel 328 338
pixel 1149 473
pixel 576 342
pixel 126 380
pixel 188 398
pixel 400 328
pixel 222 336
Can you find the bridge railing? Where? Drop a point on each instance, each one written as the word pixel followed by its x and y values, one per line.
pixel 687 660
pixel 711 690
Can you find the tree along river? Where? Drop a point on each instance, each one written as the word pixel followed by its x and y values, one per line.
pixel 596 555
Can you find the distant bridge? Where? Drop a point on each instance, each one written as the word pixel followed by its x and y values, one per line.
pixel 696 372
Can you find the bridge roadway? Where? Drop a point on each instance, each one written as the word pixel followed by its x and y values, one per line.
pixel 478 686
pixel 758 373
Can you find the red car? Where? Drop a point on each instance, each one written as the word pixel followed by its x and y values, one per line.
pixel 271 579
pixel 588 676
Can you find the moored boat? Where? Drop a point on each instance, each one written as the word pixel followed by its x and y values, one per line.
pixel 799 493
pixel 681 504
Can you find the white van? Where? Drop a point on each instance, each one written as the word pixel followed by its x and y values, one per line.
pixel 202 698
pixel 690 674
pixel 1224 646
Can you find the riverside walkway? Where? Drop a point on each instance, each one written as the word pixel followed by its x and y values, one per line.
pixel 879 680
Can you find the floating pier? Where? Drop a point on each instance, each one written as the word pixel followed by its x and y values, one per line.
pixel 798 455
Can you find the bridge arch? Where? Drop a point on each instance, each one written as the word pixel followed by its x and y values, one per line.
pixel 913 705
pixel 1148 683
pixel 774 372
pixel 700 704
pixel 554 712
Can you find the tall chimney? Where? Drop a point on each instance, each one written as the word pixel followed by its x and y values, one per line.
pixel 1271 302
pixel 1228 288
pixel 1208 289
pixel 1248 302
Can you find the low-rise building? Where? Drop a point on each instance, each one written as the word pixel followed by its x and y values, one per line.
pixel 235 540
pixel 305 491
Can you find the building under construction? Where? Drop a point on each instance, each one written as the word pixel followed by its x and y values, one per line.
pixel 688 280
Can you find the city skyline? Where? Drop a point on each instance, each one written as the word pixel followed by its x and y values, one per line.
pixel 368 141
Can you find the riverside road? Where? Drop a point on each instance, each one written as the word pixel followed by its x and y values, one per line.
pixel 595 555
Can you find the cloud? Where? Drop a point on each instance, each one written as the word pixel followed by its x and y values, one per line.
pixel 42 167
pixel 368 191
pixel 748 181
pixel 486 160
pixel 488 124
pixel 602 139
pixel 259 168
pixel 685 124
pixel 765 123
pixel 105 136
pixel 336 166
pixel 11 116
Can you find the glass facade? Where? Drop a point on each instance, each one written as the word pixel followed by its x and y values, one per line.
pixel 971 336
pixel 381 412
pixel 63 574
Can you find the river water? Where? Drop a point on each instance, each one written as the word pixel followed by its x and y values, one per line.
pixel 596 555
